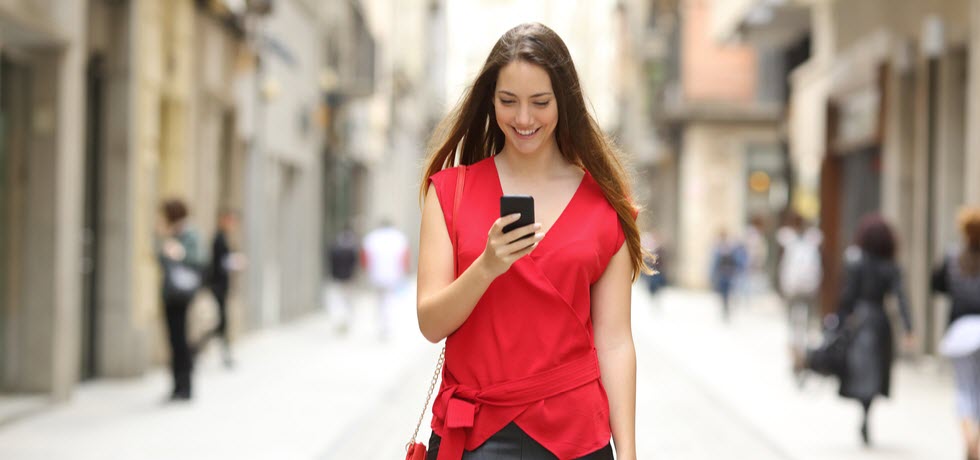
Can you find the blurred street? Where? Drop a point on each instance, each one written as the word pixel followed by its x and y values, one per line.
pixel 303 391
pixel 180 172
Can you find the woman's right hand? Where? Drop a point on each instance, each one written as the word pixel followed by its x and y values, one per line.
pixel 503 249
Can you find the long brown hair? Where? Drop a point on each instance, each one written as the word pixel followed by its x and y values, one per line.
pixel 470 132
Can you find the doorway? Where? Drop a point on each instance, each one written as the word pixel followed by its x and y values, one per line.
pixel 15 110
pixel 91 232
pixel 862 185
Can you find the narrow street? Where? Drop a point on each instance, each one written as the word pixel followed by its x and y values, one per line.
pixel 705 390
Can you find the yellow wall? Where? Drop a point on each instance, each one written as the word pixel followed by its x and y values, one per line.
pixel 162 169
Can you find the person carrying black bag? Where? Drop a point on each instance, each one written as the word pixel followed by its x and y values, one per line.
pixel 859 349
pixel 180 261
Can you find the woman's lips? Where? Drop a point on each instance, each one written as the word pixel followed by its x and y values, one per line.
pixel 529 133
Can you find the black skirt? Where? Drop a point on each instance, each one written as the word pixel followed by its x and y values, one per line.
pixel 869 355
pixel 512 443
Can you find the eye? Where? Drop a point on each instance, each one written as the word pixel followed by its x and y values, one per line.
pixel 507 101
pixel 542 103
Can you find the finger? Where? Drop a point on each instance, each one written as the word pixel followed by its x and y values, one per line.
pixel 523 252
pixel 504 221
pixel 519 245
pixel 521 232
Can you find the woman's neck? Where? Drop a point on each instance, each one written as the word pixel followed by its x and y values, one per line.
pixel 541 165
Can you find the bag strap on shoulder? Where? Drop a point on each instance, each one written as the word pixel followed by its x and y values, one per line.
pixel 460 179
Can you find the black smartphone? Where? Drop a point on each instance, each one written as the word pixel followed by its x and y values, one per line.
pixel 518 204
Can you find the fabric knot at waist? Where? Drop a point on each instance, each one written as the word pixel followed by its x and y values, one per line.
pixel 464 401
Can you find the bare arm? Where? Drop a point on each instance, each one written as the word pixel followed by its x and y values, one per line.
pixel 445 303
pixel 614 345
pixel 898 287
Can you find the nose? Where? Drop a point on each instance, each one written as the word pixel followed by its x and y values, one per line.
pixel 524 115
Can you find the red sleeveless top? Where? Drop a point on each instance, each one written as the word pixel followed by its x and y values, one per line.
pixel 526 353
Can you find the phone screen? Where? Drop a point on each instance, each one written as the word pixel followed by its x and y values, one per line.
pixel 518 204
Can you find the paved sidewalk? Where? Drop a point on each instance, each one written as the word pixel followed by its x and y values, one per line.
pixel 293 391
pixel 743 369
pixel 705 391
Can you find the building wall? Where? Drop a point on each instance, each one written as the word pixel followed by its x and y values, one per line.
pixel 720 119
pixel 393 122
pixel 726 15
pixel 806 123
pixel 167 101
pixel 852 21
pixel 971 167
pixel 712 191
pixel 16 103
pixel 293 58
pixel 123 352
pixel 713 71
pixel 41 320
pixel 168 125
pixel 638 72
pixel 216 154
pixel 283 202
pixel 165 166
pixel 926 148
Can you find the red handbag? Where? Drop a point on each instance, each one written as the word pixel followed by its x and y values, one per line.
pixel 416 450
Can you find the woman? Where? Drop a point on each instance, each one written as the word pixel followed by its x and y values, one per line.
pixel 180 260
pixel 959 277
pixel 871 273
pixel 529 323
pixel 727 262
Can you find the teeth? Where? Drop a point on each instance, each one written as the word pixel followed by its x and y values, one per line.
pixel 525 133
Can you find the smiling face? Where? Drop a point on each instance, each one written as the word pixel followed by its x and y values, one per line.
pixel 525 107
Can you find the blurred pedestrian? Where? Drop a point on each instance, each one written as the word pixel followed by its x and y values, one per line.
pixel 343 263
pixel 752 280
pixel 800 275
pixel 535 341
pixel 181 263
pixel 386 259
pixel 653 244
pixel 727 261
pixel 870 274
pixel 959 277
pixel 224 261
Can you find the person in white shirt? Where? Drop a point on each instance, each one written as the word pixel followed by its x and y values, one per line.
pixel 800 275
pixel 385 257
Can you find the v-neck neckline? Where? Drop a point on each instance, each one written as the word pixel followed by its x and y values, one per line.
pixel 571 201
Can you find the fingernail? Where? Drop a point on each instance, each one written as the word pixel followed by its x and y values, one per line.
pixel 537 226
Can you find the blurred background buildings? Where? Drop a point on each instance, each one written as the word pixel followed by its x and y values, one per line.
pixel 309 115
